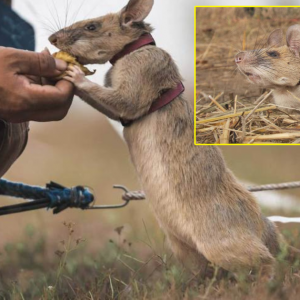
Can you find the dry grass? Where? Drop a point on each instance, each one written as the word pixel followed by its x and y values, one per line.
pixel 234 122
pixel 226 111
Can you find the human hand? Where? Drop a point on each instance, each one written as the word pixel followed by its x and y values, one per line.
pixel 24 96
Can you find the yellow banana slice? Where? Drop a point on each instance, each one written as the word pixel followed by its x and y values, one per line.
pixel 71 60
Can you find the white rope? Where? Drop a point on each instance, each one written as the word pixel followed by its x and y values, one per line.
pixel 273 187
pixel 284 220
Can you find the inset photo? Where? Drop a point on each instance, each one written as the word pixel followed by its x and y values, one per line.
pixel 247 82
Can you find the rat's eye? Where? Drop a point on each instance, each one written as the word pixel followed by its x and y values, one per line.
pixel 91 27
pixel 274 54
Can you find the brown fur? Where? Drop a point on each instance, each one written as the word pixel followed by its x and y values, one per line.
pixel 198 202
pixel 280 73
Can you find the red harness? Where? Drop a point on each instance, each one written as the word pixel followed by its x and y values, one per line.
pixel 168 96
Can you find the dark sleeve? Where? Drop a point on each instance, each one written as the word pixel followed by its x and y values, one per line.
pixel 17 33
pixel 13 140
pixel 2 131
pixel 7 2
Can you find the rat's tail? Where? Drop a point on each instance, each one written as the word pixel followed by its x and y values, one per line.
pixel 277 244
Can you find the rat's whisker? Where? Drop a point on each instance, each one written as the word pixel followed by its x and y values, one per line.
pixel 53 18
pixel 75 14
pixel 57 15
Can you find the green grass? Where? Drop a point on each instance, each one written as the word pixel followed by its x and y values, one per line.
pixel 29 270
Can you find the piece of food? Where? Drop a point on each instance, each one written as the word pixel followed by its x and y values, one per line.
pixel 71 60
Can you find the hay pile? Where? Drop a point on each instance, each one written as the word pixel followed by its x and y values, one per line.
pixel 234 122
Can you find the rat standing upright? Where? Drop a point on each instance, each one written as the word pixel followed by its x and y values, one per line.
pixel 198 202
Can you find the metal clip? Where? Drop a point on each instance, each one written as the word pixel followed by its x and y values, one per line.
pixel 126 202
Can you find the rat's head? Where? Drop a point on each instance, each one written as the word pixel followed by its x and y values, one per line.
pixel 96 41
pixel 275 65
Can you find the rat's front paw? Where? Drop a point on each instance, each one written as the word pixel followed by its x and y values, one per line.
pixel 75 75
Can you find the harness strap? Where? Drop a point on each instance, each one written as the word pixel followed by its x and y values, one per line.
pixel 144 40
pixel 166 97
pixel 159 103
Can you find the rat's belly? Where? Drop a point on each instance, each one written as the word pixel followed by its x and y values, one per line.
pixel 143 145
pixel 155 177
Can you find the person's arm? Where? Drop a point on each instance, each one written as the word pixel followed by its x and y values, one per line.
pixel 22 95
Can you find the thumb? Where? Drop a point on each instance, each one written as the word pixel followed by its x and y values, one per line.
pixel 37 64
pixel 46 51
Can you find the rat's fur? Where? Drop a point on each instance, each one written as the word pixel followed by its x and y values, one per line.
pixel 276 67
pixel 198 202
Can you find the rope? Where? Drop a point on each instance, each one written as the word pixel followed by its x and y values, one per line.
pixel 134 195
pixel 54 196
pixel 59 198
pixel 278 186
pixel 140 195
pixel 280 219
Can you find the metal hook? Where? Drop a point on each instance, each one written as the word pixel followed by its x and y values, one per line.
pixel 126 202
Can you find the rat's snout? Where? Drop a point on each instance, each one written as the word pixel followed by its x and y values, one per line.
pixel 240 57
pixel 55 38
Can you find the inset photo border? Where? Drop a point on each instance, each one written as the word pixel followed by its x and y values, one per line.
pixel 247 75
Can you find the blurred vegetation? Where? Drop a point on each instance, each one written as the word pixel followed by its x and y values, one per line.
pixel 117 271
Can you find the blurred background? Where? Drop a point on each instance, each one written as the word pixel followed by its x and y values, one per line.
pixel 87 149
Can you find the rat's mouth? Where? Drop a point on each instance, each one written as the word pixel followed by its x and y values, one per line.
pixel 86 61
pixel 252 77
pixel 81 60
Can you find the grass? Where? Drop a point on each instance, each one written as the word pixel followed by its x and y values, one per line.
pixel 29 271
pixel 245 124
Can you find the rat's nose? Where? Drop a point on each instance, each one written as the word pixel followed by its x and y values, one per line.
pixel 240 57
pixel 53 39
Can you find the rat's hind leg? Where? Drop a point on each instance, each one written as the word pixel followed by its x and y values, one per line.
pixel 245 253
pixel 189 256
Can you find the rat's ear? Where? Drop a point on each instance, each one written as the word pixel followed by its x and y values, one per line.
pixel 293 39
pixel 275 38
pixel 136 11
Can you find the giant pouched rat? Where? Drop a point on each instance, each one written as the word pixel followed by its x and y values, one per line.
pixel 277 67
pixel 198 202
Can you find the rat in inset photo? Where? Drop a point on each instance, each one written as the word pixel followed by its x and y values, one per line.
pixel 276 67
pixel 203 210
pixel 247 76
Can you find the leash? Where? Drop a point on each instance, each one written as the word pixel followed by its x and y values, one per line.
pixel 274 187
pixel 140 195
pixel 59 198
pixel 54 196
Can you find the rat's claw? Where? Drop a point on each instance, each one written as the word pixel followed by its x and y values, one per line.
pixel 71 67
pixel 70 73
pixel 79 70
